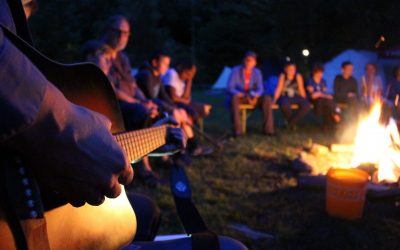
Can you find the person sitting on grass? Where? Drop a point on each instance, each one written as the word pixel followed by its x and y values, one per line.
pixel 290 90
pixel 149 80
pixel 179 82
pixel 371 84
pixel 346 88
pixel 324 106
pixel 245 86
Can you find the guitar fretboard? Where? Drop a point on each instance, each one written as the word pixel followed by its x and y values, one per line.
pixel 141 142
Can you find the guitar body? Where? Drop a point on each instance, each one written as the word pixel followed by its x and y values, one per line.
pixel 82 83
pixel 110 225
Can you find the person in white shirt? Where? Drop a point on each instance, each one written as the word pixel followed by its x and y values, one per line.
pixel 179 82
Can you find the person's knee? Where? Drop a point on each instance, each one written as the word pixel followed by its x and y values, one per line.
pixel 148 216
pixel 227 243
pixel 284 102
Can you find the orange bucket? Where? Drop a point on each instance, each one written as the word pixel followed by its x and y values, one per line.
pixel 345 193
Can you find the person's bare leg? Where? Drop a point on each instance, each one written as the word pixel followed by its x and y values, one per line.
pixel 180 118
pixel 146 164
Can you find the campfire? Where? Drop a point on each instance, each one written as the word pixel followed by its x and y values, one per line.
pixel 377 142
pixel 374 147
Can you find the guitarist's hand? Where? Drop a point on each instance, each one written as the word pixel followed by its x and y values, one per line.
pixel 176 138
pixel 72 152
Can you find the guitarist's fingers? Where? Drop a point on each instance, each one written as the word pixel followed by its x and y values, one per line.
pixel 94 198
pixel 77 203
pixel 114 189
pixel 80 193
pixel 126 176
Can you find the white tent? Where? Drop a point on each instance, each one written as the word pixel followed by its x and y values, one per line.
pixel 222 80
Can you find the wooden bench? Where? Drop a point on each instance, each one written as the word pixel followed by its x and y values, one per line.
pixel 245 115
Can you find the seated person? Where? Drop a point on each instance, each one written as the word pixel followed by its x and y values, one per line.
pixel 324 105
pixel 179 85
pixel 147 212
pixel 245 86
pixel 394 85
pixel 394 89
pixel 137 111
pixel 371 84
pixel 290 90
pixel 346 88
pixel 149 81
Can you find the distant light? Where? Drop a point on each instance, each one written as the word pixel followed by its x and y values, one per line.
pixel 305 52
pixel 288 59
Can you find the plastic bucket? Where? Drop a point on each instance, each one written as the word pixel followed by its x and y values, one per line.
pixel 345 193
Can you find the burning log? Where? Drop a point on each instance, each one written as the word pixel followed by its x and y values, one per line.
pixel 317 149
pixel 342 148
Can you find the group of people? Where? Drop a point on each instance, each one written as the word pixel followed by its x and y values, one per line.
pixel 246 86
pixel 154 91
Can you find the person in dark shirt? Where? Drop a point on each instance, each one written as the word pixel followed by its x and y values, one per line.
pixel 324 106
pixel 346 88
pixel 290 90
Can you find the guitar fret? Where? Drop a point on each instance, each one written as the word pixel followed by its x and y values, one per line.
pixel 141 142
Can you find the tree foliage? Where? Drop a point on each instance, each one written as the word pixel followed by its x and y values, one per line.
pixel 216 33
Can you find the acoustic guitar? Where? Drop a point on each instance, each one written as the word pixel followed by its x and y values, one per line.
pixel 108 226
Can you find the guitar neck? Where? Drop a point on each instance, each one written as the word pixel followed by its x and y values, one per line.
pixel 139 143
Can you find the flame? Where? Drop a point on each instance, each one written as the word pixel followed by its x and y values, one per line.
pixel 375 144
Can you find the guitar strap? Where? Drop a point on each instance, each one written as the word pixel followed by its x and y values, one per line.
pixel 193 223
pixel 10 213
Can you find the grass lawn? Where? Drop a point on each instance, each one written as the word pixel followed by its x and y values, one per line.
pixel 250 182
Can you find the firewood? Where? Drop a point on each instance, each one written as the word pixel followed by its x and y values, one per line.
pixel 342 148
pixel 317 149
